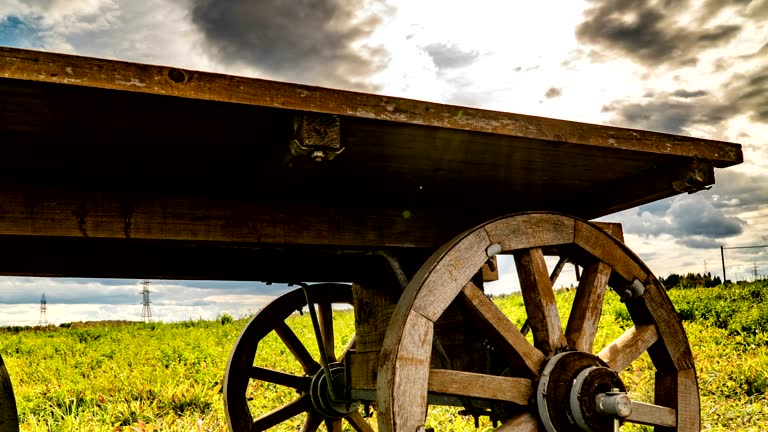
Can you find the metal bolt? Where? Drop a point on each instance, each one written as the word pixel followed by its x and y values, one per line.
pixel 319 155
pixel 493 250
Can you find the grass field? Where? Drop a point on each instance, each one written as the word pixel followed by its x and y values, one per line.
pixel 168 377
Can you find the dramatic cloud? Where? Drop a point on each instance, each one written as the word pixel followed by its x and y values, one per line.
pixel 447 56
pixel 694 220
pixel 311 41
pixel 158 32
pixel 746 93
pixel 654 32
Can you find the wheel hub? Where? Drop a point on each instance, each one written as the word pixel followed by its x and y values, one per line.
pixel 574 391
pixel 320 394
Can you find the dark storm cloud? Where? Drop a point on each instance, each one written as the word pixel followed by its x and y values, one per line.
pixel 745 94
pixel 686 94
pixel 308 41
pixel 447 56
pixel 663 113
pixel 649 31
pixel 700 243
pixel 553 92
pixel 739 191
pixel 694 220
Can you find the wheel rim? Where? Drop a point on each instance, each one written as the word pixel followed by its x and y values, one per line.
pixel 243 369
pixel 405 376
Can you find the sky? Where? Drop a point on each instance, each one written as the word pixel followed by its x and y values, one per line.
pixel 697 68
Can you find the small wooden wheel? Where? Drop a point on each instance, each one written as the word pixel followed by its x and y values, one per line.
pixel 311 386
pixel 557 383
pixel 9 416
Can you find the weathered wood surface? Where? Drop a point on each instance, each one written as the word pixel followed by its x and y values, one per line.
pixel 501 330
pixel 629 346
pixel 142 78
pixel 653 415
pixel 506 389
pixel 540 304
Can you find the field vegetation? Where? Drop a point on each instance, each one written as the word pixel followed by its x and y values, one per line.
pixel 168 377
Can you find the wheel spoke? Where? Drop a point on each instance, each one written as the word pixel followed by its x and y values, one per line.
pixel 587 307
pixel 358 423
pixel 629 346
pixel 298 349
pixel 350 346
pixel 325 316
pixel 468 384
pixel 524 422
pixel 314 420
pixel 501 330
pixel 282 414
pixel 333 425
pixel 280 378
pixel 558 268
pixel 652 415
pixel 539 300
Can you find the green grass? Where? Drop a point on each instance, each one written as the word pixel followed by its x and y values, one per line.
pixel 168 377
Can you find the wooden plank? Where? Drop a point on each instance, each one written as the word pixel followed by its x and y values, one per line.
pixel 530 230
pixel 158 259
pixel 540 303
pixel 151 216
pixel 364 367
pixel 608 251
pixel 402 392
pixel 454 269
pixel 679 390
pixel 524 422
pixel 374 302
pixel 652 415
pixel 629 346
pixel 474 385
pixel 587 307
pixel 142 78
pixel 508 337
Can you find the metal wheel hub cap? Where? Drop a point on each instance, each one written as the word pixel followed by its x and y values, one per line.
pixel 570 391
pixel 321 398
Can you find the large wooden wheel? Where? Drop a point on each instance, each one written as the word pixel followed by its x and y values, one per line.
pixel 556 383
pixel 245 367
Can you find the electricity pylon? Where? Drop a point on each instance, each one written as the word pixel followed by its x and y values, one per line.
pixel 43 311
pixel 146 312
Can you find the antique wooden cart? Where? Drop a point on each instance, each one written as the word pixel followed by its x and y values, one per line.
pixel 115 169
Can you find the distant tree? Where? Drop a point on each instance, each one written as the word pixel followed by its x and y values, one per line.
pixel 690 280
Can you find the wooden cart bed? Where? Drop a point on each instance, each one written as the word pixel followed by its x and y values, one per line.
pixel 107 166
